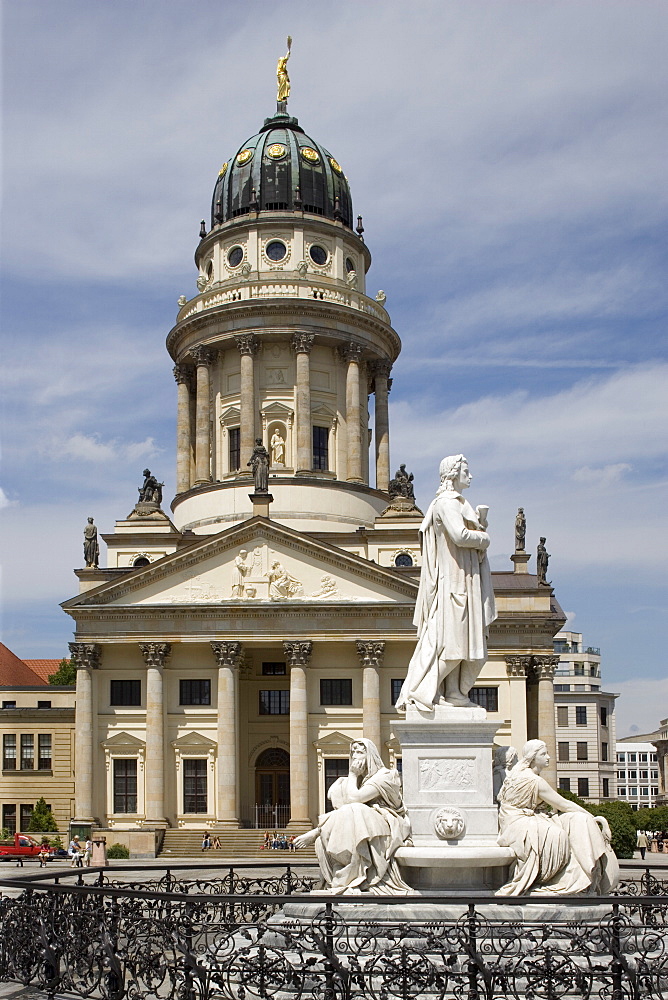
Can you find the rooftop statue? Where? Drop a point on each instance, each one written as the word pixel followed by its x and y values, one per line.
pixel 151 490
pixel 542 559
pixel 91 545
pixel 402 484
pixel 520 530
pixel 357 841
pixel 282 78
pixel 569 853
pixel 259 463
pixel 455 602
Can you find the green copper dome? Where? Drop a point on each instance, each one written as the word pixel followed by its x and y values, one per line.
pixel 281 169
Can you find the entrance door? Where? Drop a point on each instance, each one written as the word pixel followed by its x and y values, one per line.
pixel 272 789
pixel 194 786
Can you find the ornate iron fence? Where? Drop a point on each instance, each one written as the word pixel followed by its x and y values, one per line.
pixel 238 935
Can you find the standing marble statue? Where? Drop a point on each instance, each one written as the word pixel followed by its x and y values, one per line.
pixel 91 545
pixel 455 602
pixel 357 841
pixel 277 445
pixel 520 530
pixel 568 853
pixel 542 559
pixel 259 462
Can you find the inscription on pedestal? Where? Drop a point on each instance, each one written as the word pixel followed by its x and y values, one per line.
pixel 446 775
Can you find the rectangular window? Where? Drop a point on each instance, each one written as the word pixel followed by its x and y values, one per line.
pixel 562 687
pixel 633 792
pixel 395 689
pixel 194 692
pixel 644 775
pixel 604 751
pixel 44 752
pixel 642 758
pixel 583 787
pixel 621 757
pixel 273 669
pixel 194 786
pixel 633 775
pixel 579 670
pixel 125 785
pixel 234 436
pixel 488 697
pixel 621 791
pixel 581 751
pixel 274 703
pixel 644 792
pixel 621 775
pixel 9 753
pixel 44 704
pixel 604 716
pixel 125 693
pixel 563 752
pixel 335 767
pixel 564 784
pixel 27 752
pixel 580 715
pixel 655 791
pixel 9 817
pixel 336 691
pixel 632 758
pixel 26 814
pixel 9 704
pixel 606 788
pixel 655 775
pixel 321 448
pixel 562 715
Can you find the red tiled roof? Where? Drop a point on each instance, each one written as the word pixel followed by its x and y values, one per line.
pixel 43 668
pixel 16 673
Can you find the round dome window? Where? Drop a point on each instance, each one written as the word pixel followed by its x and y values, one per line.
pixel 276 250
pixel 403 559
pixel 318 255
pixel 235 256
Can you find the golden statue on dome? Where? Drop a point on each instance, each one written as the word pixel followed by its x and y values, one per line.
pixel 282 77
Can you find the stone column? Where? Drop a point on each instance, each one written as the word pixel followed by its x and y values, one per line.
pixel 544 667
pixel 203 359
pixel 86 658
pixel 352 354
pixel 301 345
pixel 517 668
pixel 155 656
pixel 248 345
pixel 298 655
pixel 371 654
pixel 380 372
pixel 228 656
pixel 183 376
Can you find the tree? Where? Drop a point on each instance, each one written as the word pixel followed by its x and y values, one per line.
pixel 42 819
pixel 620 817
pixel 65 676
pixel 652 819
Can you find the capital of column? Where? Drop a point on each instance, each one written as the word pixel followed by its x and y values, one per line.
pixel 544 667
pixel 85 655
pixel 370 653
pixel 380 368
pixel 202 356
pixel 302 343
pixel 155 653
pixel 298 653
pixel 351 352
pixel 247 343
pixel 227 654
pixel 518 666
pixel 183 373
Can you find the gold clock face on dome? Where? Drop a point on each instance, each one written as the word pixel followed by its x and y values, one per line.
pixel 223 169
pixel 276 150
pixel 335 165
pixel 310 154
pixel 244 156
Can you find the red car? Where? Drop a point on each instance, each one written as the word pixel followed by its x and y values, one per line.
pixel 19 847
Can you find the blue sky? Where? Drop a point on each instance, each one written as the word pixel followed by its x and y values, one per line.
pixel 509 161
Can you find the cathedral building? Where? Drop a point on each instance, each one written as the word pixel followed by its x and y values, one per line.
pixel 234 646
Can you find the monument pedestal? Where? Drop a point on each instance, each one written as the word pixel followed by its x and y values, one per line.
pixel 447 787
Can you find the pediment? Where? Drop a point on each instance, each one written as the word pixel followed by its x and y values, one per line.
pixel 257 562
pixel 123 741
pixel 334 741
pixel 191 740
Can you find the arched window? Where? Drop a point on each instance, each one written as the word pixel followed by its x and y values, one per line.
pixel 273 757
pixel 403 559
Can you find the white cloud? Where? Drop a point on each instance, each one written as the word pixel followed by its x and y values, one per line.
pixel 642 704
pixel 90 448
pixel 607 475
pixel 5 500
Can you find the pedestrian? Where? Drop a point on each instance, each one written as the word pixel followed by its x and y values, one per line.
pixel 291 843
pixel 206 841
pixel 641 843
pixel 215 843
pixel 88 851
pixel 43 854
pixel 74 851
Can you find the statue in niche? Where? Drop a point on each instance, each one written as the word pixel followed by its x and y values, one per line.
pixel 91 545
pixel 402 484
pixel 259 462
pixel 282 78
pixel 542 559
pixel 505 759
pixel 281 584
pixel 151 490
pixel 277 445
pixel 357 841
pixel 239 574
pixel 568 853
pixel 520 530
pixel 455 602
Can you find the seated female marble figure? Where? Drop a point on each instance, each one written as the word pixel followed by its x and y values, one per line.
pixel 567 854
pixel 356 842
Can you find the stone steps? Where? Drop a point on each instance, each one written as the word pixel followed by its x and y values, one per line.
pixel 233 844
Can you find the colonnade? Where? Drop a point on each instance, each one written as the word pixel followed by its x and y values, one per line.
pixel 228 656
pixel 194 417
pixel 537 669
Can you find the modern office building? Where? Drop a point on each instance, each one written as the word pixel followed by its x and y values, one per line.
pixel 638 771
